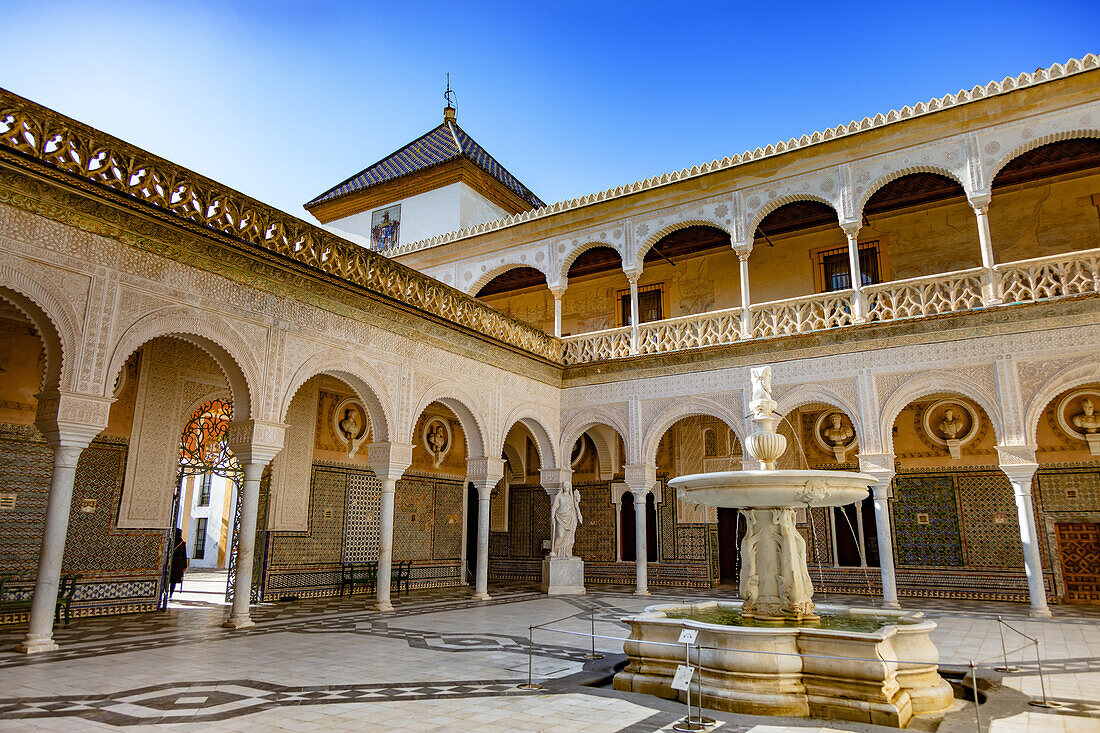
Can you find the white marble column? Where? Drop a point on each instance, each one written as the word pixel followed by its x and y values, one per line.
pixel 389 462
pixel 40 631
pixel 859 308
pixel 1021 476
pixel 254 443
pixel 557 292
pixel 641 552
pixel 484 473
pixel 991 288
pixel 632 277
pixel 746 311
pixel 881 492
pixel 239 617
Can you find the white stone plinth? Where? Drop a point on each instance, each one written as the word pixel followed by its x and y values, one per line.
pixel 563 576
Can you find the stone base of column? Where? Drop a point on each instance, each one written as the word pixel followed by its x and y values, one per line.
pixel 891 604
pixel 383 607
pixel 238 622
pixel 1039 613
pixel 481 596
pixel 37 645
pixel 641 593
pixel 563 576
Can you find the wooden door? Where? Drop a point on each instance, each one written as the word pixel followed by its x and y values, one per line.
pixel 1079 553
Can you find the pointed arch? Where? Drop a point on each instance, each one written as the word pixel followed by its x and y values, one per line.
pixel 1038 142
pixel 358 375
pixel 454 398
pixel 660 234
pixel 1081 372
pixel 571 257
pixel 933 383
pixel 487 276
pixel 691 407
pixel 586 420
pixel 54 320
pixel 211 333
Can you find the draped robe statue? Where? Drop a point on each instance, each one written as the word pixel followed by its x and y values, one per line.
pixel 565 515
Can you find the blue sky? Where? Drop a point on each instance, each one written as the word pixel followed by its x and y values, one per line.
pixel 283 100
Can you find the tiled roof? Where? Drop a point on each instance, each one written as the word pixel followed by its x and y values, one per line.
pixel 444 143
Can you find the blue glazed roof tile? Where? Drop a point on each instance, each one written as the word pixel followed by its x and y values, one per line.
pixel 444 143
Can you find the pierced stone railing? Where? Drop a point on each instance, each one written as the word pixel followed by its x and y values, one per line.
pixel 799 315
pixel 690 332
pixel 32 135
pixel 1045 278
pixel 930 295
pixel 612 343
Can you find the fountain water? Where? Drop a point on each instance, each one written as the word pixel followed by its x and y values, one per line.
pixel 772 654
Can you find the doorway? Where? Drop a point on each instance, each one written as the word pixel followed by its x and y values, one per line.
pixel 1079 554
pixel 471 532
pixel 731 530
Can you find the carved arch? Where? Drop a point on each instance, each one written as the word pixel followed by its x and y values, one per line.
pixel 534 423
pixel 1039 142
pixel 806 394
pixel 569 258
pixel 457 401
pixel 211 333
pixel 774 204
pixel 586 420
pixel 492 272
pixel 54 320
pixel 932 383
pixel 1081 372
pixel 358 375
pixel 606 453
pixel 660 234
pixel 514 460
pixel 691 407
pixel 878 183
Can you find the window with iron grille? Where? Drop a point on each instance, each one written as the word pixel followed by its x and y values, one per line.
pixel 833 271
pixel 200 539
pixel 649 304
pixel 204 489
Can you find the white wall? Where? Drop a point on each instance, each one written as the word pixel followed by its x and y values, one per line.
pixel 427 214
pixel 213 515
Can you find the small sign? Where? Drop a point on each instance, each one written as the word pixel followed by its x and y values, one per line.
pixel 688 636
pixel 682 677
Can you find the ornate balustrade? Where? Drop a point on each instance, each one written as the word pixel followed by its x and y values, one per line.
pixel 31 131
pixel 597 346
pixel 690 332
pixel 799 315
pixel 1044 278
pixel 925 296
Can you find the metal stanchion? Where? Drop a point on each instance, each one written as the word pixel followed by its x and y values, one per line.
pixel 1045 702
pixel 1006 667
pixel 700 718
pixel 974 681
pixel 687 725
pixel 531 684
pixel 592 624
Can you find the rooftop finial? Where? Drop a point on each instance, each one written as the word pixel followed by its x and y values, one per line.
pixel 449 95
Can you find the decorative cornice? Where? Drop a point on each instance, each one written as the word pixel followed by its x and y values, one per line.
pixel 47 143
pixel 964 96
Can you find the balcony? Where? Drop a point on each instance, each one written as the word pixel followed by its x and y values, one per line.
pixel 1024 281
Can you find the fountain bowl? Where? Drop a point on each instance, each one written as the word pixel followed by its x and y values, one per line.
pixel 794 671
pixel 773 488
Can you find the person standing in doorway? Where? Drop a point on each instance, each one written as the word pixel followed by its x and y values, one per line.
pixel 179 562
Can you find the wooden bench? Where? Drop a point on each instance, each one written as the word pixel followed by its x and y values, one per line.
pixel 66 591
pixel 353 574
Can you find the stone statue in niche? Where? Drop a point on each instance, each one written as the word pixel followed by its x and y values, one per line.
pixel 437 440
pixel 950 426
pixel 837 436
pixel 351 427
pixel 565 515
pixel 1088 423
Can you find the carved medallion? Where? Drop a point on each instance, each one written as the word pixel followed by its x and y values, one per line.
pixel 835 433
pixel 951 423
pixel 437 439
pixel 1078 415
pixel 350 424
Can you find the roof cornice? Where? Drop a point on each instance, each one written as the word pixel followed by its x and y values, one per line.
pixel 1088 62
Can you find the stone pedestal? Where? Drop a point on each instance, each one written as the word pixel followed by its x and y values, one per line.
pixel 563 576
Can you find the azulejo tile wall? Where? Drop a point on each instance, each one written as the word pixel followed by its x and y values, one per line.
pixel 926 521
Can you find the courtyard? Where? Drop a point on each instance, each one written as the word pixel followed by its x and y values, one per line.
pixel 444 662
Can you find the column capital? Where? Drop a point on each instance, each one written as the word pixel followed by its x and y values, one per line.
pixel 389 461
pixel 632 275
pixel 879 465
pixel 558 289
pixel 851 228
pixel 551 479
pixel 979 201
pixel 1019 463
pixel 743 250
pixel 71 419
pixel 255 441
pixel 639 477
pixel 484 471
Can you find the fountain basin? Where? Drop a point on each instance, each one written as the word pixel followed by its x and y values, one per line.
pixel 773 489
pixel 741 671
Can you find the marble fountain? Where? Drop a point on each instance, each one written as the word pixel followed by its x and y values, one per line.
pixel 775 652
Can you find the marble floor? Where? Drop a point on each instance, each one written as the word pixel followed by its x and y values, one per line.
pixel 444 662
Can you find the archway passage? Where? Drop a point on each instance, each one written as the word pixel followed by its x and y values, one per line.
pixel 688 271
pixel 518 278
pixel 731 530
pixel 596 283
pixel 798 249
